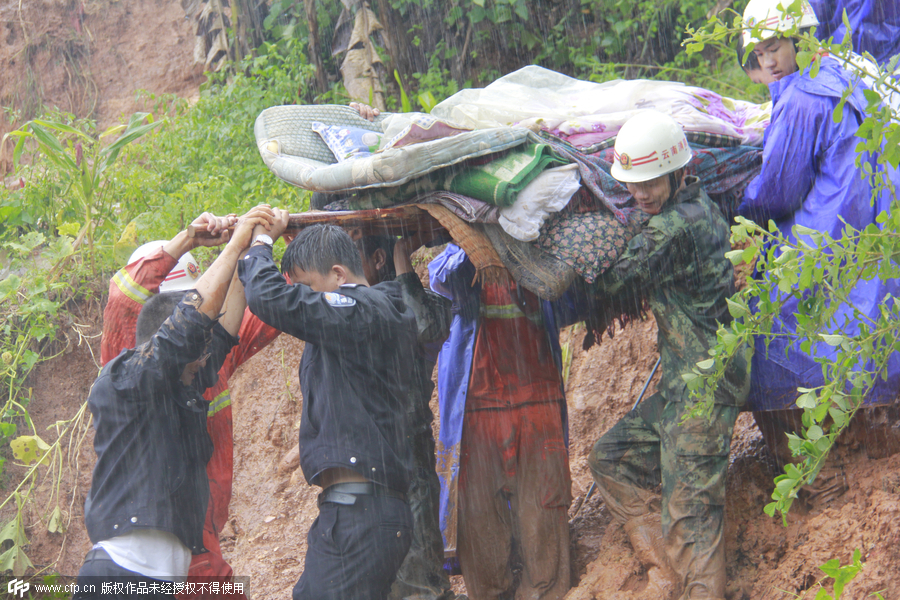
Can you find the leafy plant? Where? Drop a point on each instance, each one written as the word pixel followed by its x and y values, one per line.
pixel 82 164
pixel 841 576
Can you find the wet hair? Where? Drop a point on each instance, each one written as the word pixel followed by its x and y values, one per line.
pixel 752 63
pixel 154 313
pixel 319 248
pixel 369 244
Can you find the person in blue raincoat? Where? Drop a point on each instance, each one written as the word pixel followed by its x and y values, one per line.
pixel 809 178
pixel 874 25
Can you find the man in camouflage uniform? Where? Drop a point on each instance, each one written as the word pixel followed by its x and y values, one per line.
pixel 662 478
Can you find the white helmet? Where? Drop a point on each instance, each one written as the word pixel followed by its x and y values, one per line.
pixel 649 144
pixel 182 277
pixel 770 16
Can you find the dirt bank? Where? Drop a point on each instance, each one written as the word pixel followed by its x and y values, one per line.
pixel 89 57
pixel 273 507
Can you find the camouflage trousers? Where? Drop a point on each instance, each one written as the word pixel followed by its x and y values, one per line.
pixel 422 575
pixel 650 462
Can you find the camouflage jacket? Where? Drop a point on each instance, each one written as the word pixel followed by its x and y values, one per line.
pixel 678 263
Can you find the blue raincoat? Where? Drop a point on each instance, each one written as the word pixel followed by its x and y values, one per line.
pixel 875 25
pixel 809 177
pixel 451 274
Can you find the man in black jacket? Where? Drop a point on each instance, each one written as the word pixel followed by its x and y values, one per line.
pixel 149 491
pixel 355 379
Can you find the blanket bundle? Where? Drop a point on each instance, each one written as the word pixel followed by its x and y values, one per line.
pixel 521 166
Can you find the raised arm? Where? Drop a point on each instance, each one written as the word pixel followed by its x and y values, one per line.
pixel 213 286
pixel 432 310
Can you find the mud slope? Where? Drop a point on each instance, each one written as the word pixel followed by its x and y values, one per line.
pixel 273 506
pixel 89 57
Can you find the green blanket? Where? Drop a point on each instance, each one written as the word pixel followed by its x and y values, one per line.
pixel 500 181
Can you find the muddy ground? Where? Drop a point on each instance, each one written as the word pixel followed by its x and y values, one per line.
pixel 273 507
pixel 89 57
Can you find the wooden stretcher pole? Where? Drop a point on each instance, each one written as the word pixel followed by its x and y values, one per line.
pixel 400 220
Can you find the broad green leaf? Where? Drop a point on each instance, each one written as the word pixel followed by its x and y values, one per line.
pixel 9 286
pixel 15 560
pixel 823 595
pixel 806 401
pixel 737 310
pixel 15 531
pixel 832 340
pixel 70 228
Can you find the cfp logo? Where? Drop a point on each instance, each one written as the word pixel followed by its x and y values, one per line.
pixel 17 588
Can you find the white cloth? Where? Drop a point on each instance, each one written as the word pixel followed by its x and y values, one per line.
pixel 151 553
pixel 555 102
pixel 548 193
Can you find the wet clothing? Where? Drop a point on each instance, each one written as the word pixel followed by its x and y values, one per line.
pixel 355 378
pixel 354 550
pixel 503 411
pixel 809 178
pixel 514 496
pixel 151 440
pixel 678 260
pixel 874 25
pixel 422 575
pixel 99 567
pixel 649 462
pixel 129 289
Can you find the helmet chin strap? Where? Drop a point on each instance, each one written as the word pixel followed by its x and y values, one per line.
pixel 674 184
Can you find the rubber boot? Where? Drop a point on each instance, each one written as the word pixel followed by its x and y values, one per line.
pixel 645 535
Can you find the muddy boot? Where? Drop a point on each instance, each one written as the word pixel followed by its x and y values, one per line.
pixel 645 535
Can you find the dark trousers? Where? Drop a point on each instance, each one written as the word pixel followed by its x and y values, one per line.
pixel 354 551
pixel 99 571
pixel 422 575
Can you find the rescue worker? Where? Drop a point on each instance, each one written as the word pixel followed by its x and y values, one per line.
pixel 355 378
pixel 865 39
pixel 809 178
pixel 168 266
pixel 661 478
pixel 385 258
pixel 149 490
pixel 502 397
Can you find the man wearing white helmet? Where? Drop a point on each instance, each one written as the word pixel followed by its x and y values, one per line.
pixel 809 178
pixel 661 478
pixel 166 266
pixel 779 52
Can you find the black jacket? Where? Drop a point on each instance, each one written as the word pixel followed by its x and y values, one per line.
pixel 151 440
pixel 356 370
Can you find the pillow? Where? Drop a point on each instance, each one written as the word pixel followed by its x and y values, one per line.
pixel 547 193
pixel 348 143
